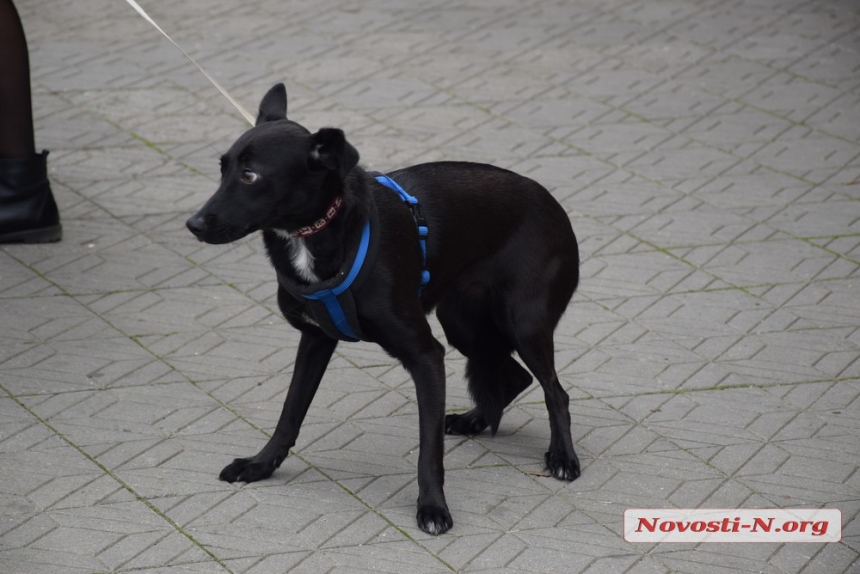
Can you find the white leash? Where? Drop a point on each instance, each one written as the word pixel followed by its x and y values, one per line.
pixel 232 100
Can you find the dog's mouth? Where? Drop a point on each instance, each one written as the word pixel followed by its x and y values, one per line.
pixel 210 229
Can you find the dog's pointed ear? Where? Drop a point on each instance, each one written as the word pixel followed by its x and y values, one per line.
pixel 330 150
pixel 274 105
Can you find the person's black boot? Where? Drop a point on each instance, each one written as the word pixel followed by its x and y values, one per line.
pixel 28 212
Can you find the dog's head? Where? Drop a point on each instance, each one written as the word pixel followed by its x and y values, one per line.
pixel 277 175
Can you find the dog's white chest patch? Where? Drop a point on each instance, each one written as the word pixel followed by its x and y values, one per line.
pixel 301 257
pixel 303 260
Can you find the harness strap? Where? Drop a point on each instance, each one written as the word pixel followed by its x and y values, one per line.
pixel 328 297
pixel 337 300
pixel 420 222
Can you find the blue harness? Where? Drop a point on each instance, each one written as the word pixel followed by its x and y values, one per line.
pixel 328 297
pixel 420 222
pixel 335 298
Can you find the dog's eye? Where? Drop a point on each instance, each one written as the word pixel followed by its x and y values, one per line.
pixel 249 176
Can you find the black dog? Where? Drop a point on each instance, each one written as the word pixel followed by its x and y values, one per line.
pixel 502 259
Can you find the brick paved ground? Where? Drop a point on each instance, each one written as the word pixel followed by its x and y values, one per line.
pixel 708 154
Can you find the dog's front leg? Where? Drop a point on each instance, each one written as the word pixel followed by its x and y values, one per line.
pixel 429 376
pixel 423 357
pixel 315 350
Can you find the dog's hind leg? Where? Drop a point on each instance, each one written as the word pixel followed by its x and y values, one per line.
pixel 315 351
pixel 536 350
pixel 494 377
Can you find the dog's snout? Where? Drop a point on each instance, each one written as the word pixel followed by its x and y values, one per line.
pixel 196 224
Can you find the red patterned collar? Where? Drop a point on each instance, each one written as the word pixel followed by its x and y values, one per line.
pixel 323 222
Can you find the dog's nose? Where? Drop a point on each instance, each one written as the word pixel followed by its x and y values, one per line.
pixel 196 225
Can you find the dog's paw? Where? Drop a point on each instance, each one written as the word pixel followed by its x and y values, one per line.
pixel 467 424
pixel 247 470
pixel 562 467
pixel 434 520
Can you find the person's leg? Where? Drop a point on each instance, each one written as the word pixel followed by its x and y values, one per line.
pixel 16 129
pixel 28 213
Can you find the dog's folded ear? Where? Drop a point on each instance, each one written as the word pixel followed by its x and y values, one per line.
pixel 331 151
pixel 274 105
